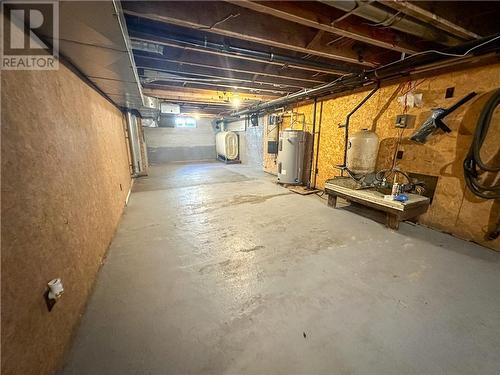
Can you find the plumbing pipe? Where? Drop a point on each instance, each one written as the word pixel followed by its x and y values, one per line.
pixel 135 148
pixel 319 138
pixel 312 147
pixel 392 70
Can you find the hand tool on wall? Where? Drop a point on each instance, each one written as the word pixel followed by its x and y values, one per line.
pixel 435 121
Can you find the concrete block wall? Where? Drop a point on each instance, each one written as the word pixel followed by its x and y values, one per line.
pixel 166 145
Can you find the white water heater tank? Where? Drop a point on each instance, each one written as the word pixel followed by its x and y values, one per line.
pixel 226 144
pixel 362 151
pixel 291 157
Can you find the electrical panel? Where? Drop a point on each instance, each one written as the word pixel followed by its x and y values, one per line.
pixel 274 119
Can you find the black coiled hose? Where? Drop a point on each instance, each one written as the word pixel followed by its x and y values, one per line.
pixel 473 165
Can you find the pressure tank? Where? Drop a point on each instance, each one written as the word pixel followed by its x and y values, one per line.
pixel 226 144
pixel 291 157
pixel 362 151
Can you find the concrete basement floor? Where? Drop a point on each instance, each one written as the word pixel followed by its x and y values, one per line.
pixel 217 270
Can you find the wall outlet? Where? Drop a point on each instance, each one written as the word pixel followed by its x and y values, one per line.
pixel 450 91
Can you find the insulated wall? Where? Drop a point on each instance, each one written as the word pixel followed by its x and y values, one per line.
pixel 65 178
pixel 454 208
pixel 250 141
pixel 166 145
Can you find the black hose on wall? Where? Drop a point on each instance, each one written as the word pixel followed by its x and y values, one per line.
pixel 474 167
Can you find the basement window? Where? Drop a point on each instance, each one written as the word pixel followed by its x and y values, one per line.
pixel 185 122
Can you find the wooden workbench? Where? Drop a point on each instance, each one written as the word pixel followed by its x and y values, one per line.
pixel 395 211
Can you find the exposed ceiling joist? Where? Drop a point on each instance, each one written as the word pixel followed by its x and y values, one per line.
pixel 199 96
pixel 181 72
pixel 156 77
pixel 227 20
pixel 293 11
pixel 217 87
pixel 159 75
pixel 413 10
pixel 183 65
pixel 308 66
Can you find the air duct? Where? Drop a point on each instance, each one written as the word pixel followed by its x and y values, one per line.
pixel 386 18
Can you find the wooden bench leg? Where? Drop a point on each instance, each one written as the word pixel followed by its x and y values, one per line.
pixel 332 200
pixel 392 221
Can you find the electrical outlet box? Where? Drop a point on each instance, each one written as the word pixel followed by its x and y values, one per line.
pixel 450 91
pixel 405 121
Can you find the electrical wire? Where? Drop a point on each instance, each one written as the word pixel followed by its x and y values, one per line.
pixel 384 174
pixel 437 52
pixel 387 22
pixel 219 22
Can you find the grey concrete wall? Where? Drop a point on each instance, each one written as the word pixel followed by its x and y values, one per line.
pixel 251 138
pixel 166 145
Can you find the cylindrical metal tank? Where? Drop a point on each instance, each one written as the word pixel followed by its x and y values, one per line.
pixel 226 144
pixel 291 156
pixel 362 152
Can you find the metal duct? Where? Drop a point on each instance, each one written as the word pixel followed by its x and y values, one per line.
pixel 93 37
pixel 383 18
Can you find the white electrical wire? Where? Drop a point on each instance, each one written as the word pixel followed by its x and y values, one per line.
pixel 439 53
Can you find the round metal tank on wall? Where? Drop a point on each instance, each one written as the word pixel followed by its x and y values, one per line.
pixel 291 156
pixel 226 144
pixel 362 152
